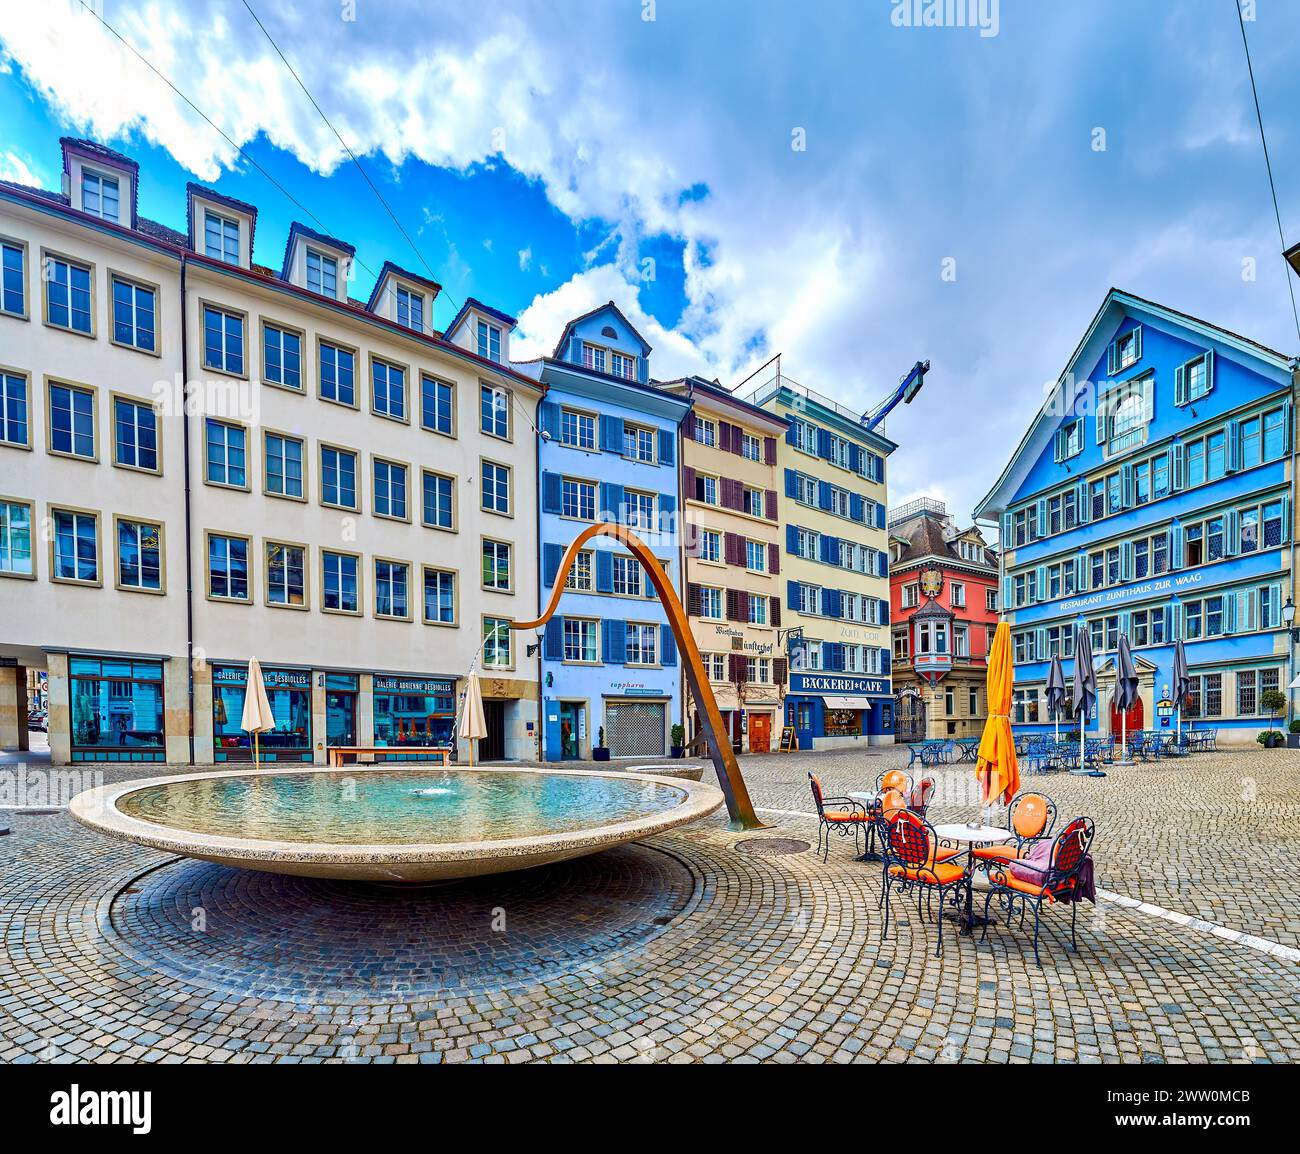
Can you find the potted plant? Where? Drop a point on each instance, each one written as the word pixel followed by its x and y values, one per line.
pixel 1293 735
pixel 600 752
pixel 678 739
pixel 1271 738
pixel 1273 702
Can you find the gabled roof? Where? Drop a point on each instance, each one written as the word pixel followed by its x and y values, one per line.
pixel 94 151
pixel 608 305
pixel 473 304
pixel 396 270
pixel 924 537
pixel 298 229
pixel 250 210
pixel 1114 307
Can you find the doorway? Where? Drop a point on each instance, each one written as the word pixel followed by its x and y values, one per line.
pixel 340 718
pixel 493 746
pixel 1120 724
pixel 760 732
pixel 573 729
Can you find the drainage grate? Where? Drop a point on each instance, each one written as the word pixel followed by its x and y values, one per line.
pixel 773 846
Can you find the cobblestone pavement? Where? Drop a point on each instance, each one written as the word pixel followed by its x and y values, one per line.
pixel 697 946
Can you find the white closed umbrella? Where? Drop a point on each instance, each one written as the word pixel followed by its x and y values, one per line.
pixel 257 716
pixel 473 725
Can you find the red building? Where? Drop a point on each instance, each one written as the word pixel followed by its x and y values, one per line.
pixel 943 592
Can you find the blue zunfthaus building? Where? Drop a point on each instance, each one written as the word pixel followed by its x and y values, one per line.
pixel 608 450
pixel 1152 497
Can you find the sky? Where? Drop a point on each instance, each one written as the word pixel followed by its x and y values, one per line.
pixel 825 180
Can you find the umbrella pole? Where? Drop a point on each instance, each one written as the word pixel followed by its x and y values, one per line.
pixel 256 751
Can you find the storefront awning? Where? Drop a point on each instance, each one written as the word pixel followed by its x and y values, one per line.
pixel 846 702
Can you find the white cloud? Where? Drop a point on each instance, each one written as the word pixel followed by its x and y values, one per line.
pixel 525 258
pixel 17 168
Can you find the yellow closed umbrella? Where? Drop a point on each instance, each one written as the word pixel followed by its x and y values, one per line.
pixel 996 768
pixel 473 725
pixel 257 716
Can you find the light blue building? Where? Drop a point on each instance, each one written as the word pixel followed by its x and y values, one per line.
pixel 608 451
pixel 1153 497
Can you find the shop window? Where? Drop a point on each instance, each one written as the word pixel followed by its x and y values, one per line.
pixel 289 693
pixel 116 709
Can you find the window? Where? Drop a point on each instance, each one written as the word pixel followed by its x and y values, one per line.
pixel 579 577
pixel 621 365
pixel 494 411
pixel 911 595
pixel 391 580
pixel 284 457
pixel 757 609
pixel 286 574
pixel 751 448
pixel 338 478
pixel 991 600
pixel 495 495
pixel 67 295
pixel 715 664
pixel 322 274
pixel 13 279
pixel 489 342
pixel 134 321
pixel 837 451
pixel 753 502
pixel 579 639
pixel 223 341
pixel 390 489
pixel 15 424
pixel 282 356
pixel 638 443
pixel 1207 695
pixel 578 499
pixel 900 645
pixel 1069 440
pixel 577 430
pixel 710 545
pixel 497 643
pixel 410 309
pixel 1252 685
pixel 337 374
pixel 226 454
pixel 759 669
pixel 438 406
pixel 1024 706
pixel 100 195
pixel 640 509
pixel 116 709
pixel 339 585
pixel 16 539
pixel 593 357
pixel 139 555
pixel 706 432
pixel 221 238
pixel 710 603
pixel 439 500
pixel 1273 528
pixel 388 392
pixel 75 546
pixel 439 596
pixel 809 600
pixel 1251 445
pixel 72 421
pixel 807 544
pixel 1126 350
pixel 642 643
pixel 496 565
pixel 1196 378
pixel 960 641
pixel 1274 434
pixel 135 435
pixel 957 595
pixel 756 556
pixel 628 577
pixel 227 567
pixel 706 489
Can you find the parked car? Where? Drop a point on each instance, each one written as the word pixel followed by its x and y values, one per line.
pixel 38 719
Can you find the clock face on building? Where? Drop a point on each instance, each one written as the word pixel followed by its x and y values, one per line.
pixel 931 581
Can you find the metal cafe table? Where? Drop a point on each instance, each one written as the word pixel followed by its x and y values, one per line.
pixel 971 836
pixel 869 800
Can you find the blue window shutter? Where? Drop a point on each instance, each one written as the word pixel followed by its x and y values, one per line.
pixel 552 484
pixel 824 495
pixel 1232 448
pixel 792 540
pixel 1083 507
pixel 553 644
pixel 611 501
pixel 1209 370
pixel 552 555
pixel 667 505
pixel 1126 560
pixel 791 483
pixel 831 603
pixel 1175 547
pixel 1006 531
pixel 1180 385
pixel 611 433
pixel 1177 467
pixel 792 597
pixel 667 646
pixel 1006 592
pixel 855 457
pixel 1042 516
pixel 1231 533
pixel 1126 486
pixel 1286 519
pixel 857 507
pixel 790 435
pixel 1081 573
pixel 1041 580
pixel 1112 360
pixel 550 418
pixel 880 515
pixel 614 641
pixel 830 549
pixel 884 612
pixel 666 447
pixel 885 662
pixel 604 571
pixel 823 443
pixel 1137 343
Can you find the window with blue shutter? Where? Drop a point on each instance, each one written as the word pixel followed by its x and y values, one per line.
pixel 830 549
pixel 793 598
pixel 604 571
pixel 824 495
pixel 552 555
pixel 831 603
pixel 614 641
pixel 792 540
pixel 667 505
pixel 611 500
pixel 552 490
pixel 550 420
pixel 855 457
pixel 667 646
pixel 666 444
pixel 611 433
pixel 553 643
pixel 791 483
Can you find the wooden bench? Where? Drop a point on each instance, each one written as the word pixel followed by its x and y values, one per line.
pixel 436 754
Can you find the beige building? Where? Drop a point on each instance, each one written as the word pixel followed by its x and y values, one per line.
pixel 733 559
pixel 345 493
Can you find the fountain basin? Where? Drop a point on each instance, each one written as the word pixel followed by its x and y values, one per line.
pixel 391 823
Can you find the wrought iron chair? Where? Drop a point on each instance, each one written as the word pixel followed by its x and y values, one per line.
pixel 1060 880
pixel 1030 817
pixel 918 801
pixel 840 814
pixel 894 779
pixel 913 860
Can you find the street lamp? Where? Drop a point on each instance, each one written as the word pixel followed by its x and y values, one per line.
pixel 1288 619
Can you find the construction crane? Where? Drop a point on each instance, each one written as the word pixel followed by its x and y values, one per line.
pixel 908 387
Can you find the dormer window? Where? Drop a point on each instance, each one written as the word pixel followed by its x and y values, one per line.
pixel 100 195
pixel 489 342
pixel 593 357
pixel 623 366
pixel 410 309
pixel 322 274
pixel 221 237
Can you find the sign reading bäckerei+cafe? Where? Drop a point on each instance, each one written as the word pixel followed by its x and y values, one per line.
pixel 1180 583
pixel 836 683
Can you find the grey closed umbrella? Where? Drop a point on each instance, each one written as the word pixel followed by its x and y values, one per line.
pixel 1055 691
pixel 1182 684
pixel 1084 696
pixel 1126 691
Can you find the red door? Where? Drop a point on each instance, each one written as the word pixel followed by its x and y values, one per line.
pixel 760 732
pixel 1135 719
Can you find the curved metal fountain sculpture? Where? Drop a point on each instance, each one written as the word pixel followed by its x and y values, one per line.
pixel 739 807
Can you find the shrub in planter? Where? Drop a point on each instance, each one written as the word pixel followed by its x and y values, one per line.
pixel 678 740
pixel 600 751
pixel 1271 738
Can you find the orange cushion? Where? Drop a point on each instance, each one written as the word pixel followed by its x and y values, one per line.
pixel 996 852
pixel 843 815
pixel 894 779
pixel 1031 815
pixel 944 852
pixel 1012 882
pixel 940 873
